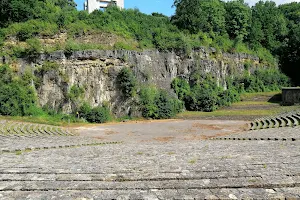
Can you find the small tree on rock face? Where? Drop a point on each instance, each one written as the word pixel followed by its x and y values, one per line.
pixel 127 82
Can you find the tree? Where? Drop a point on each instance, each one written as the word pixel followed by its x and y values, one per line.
pixel 65 3
pixel 200 15
pixel 291 11
pixel 23 10
pixel 290 55
pixel 238 19
pixel 17 11
pixel 269 25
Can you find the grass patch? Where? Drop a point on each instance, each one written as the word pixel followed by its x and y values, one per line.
pixel 48 120
pixel 252 103
pixel 241 112
pixel 247 96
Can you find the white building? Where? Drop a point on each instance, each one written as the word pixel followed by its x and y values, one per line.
pixel 91 5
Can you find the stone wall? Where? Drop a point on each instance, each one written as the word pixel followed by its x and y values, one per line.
pixel 291 95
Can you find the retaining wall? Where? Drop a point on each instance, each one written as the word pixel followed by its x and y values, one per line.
pixel 291 95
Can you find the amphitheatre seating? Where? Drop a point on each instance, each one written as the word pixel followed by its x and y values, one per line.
pixel 289 119
pixel 17 129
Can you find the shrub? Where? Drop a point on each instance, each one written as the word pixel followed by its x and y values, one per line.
pixel 127 82
pixel 75 93
pixel 181 87
pixel 100 114
pixel 71 46
pixel 158 104
pixel 202 99
pixel 48 66
pixel 16 99
pixel 34 47
pixel 227 97
pixel 84 110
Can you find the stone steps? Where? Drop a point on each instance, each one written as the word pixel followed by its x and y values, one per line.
pixel 20 129
pixel 290 119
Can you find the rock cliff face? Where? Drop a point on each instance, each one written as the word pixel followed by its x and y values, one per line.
pixel 96 72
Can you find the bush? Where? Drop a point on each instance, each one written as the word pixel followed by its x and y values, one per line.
pixel 100 114
pixel 227 97
pixel 203 94
pixel 84 110
pixel 158 104
pixel 34 47
pixel 202 99
pixel 127 82
pixel 264 80
pixel 75 93
pixel 181 88
pixel 48 66
pixel 16 98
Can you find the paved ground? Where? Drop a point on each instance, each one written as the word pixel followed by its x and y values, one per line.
pixel 158 160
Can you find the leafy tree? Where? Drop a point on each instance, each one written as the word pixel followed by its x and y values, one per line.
pixel 23 10
pixel 181 87
pixel 290 55
pixel 268 25
pixel 238 19
pixel 127 82
pixel 15 97
pixel 292 12
pixel 200 15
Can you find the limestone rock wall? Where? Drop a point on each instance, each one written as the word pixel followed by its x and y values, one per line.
pixel 96 72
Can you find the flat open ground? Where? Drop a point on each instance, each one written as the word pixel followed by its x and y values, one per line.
pixel 175 159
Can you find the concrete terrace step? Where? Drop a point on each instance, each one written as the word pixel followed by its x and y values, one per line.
pixel 19 129
pixel 290 119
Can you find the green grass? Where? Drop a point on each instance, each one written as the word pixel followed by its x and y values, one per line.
pixel 252 103
pixel 49 120
pixel 241 112
pixel 220 113
pixel 247 96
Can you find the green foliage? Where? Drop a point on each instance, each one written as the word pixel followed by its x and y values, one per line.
pixel 268 25
pixel 75 93
pixel 100 114
pixel 30 29
pixel 203 93
pixel 238 19
pixel 290 55
pixel 23 10
pixel 48 66
pixel 181 88
pixel 291 12
pixel 16 98
pixel 34 47
pixel 196 15
pixel 201 99
pixel 158 104
pixel 127 82
pixel 84 110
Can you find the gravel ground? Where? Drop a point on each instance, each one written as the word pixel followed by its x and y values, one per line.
pixel 156 160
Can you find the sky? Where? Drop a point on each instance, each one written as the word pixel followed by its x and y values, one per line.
pixel 164 6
